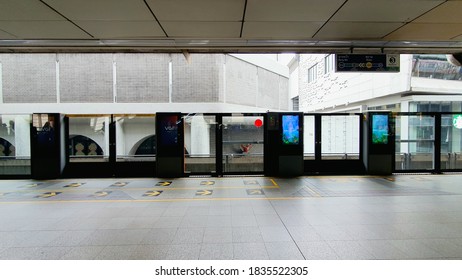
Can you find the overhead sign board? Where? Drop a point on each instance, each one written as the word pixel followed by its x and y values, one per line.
pixel 367 63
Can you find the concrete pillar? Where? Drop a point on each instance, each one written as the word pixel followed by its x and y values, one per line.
pixel 22 135
pixel 120 138
pixel 200 136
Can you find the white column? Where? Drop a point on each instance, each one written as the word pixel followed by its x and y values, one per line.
pixel 22 136
pixel 120 139
pixel 200 136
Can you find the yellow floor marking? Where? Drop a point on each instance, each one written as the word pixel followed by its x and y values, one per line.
pixel 274 183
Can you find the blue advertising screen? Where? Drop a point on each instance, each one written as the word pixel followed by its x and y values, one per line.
pixel 290 130
pixel 380 129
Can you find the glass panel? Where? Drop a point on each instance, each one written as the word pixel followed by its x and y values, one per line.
pixel 199 140
pixel 243 143
pixel 451 141
pixel 415 142
pixel 309 140
pixel 135 138
pixel 340 137
pixel 89 139
pixel 15 145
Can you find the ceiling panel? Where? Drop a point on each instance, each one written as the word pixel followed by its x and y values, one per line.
pixel 426 31
pixel 280 30
pixel 198 10
pixel 102 9
pixel 122 29
pixel 202 29
pixel 449 12
pixel 384 11
pixel 356 30
pixel 43 30
pixel 26 10
pixel 291 10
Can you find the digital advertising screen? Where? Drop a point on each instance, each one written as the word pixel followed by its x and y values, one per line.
pixel 380 129
pixel 169 130
pixel 290 130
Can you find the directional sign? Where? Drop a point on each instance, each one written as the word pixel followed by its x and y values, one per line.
pixel 164 184
pixel 255 192
pixel 152 193
pixel 101 194
pixel 207 183
pixel 367 63
pixel 74 185
pixel 119 184
pixel 204 192
pixel 48 194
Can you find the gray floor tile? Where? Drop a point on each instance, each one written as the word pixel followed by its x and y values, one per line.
pixel 193 221
pixel 243 221
pixel 183 252
pixel 333 233
pixel 275 234
pixel 250 251
pixel 71 238
pixel 247 235
pixel 383 250
pixel 448 248
pixel 217 251
pixel 115 237
pixel 159 236
pixel 117 223
pixel 317 250
pixel 268 220
pixel 415 249
pixel 83 253
pixel 283 251
pixel 189 236
pixel 168 222
pixel 116 252
pixel 34 253
pixel 303 233
pixel 219 221
pixel 218 235
pixel 150 252
pixel 350 250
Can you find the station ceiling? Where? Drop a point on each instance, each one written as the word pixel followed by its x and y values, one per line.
pixel 305 26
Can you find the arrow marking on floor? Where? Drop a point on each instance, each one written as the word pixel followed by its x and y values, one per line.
pixel 255 192
pixel 152 193
pixel 101 194
pixel 48 194
pixel 204 192
pixel 164 184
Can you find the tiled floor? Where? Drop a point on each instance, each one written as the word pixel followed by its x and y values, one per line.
pixel 346 217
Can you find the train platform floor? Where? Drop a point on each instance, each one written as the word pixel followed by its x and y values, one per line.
pixel 321 217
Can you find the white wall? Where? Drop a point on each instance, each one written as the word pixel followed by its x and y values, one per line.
pixel 341 89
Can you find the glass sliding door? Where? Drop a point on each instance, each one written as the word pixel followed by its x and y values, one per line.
pixel 415 142
pixel 15 145
pixel 451 142
pixel 200 144
pixel 135 138
pixel 243 143
pixel 89 138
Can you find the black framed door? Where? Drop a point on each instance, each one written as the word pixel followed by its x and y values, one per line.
pixel 333 144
